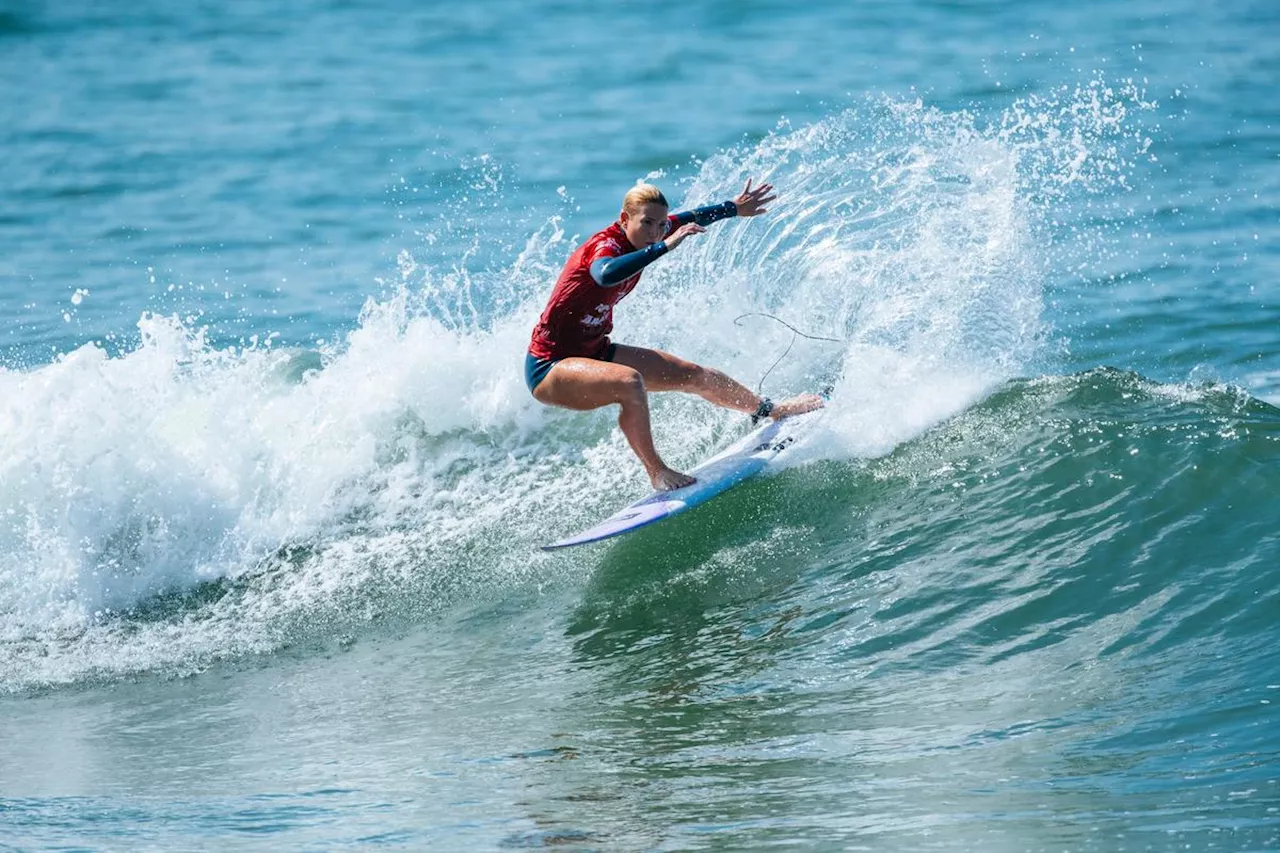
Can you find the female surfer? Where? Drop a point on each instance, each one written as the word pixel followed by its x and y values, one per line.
pixel 571 361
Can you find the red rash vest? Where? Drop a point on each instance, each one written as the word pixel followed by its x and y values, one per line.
pixel 579 315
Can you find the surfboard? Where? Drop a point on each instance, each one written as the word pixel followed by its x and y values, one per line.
pixel 741 460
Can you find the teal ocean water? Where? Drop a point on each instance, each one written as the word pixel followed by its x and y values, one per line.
pixel 272 488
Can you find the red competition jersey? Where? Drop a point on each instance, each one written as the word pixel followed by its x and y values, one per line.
pixel 579 315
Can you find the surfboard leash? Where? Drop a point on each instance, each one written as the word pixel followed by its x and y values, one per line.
pixel 794 334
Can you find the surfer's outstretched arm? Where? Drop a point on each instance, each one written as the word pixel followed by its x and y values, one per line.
pixel 613 270
pixel 750 202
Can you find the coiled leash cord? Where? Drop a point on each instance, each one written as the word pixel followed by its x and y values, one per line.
pixel 766 405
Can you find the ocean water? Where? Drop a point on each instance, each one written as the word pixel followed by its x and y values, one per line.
pixel 271 486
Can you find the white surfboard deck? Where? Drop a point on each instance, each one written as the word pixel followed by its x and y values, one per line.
pixel 744 458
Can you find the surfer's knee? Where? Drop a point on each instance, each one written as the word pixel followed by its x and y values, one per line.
pixel 630 387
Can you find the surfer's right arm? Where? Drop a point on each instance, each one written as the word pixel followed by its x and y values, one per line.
pixel 612 271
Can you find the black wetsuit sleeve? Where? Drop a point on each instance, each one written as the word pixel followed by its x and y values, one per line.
pixel 609 272
pixel 704 215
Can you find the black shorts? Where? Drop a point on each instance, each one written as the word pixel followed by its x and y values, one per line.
pixel 536 369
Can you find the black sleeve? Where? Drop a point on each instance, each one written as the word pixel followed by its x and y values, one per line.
pixel 705 215
pixel 608 272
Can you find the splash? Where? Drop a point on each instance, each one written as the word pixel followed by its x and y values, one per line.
pixel 921 238
pixel 181 504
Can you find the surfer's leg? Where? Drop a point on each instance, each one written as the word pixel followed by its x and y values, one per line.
pixel 663 371
pixel 587 383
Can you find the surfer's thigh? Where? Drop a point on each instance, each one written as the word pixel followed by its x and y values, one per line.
pixel 587 383
pixel 662 371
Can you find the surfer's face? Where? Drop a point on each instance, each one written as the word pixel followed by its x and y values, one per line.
pixel 645 226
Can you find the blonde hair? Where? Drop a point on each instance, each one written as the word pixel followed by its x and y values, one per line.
pixel 640 195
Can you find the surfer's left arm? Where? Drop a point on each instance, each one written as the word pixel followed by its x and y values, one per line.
pixel 750 202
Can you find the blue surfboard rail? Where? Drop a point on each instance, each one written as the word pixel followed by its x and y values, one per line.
pixel 742 460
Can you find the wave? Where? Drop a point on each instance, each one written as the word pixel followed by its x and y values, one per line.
pixel 182 503
pixel 1064 520
pixel 1054 505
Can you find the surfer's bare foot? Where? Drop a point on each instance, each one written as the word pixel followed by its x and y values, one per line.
pixel 796 405
pixel 666 479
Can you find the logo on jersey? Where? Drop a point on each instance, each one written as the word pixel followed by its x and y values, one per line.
pixel 597 318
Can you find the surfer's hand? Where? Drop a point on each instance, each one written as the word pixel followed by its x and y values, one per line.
pixel 751 202
pixel 796 405
pixel 676 237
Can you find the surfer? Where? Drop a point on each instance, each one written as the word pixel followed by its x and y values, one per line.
pixel 571 361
